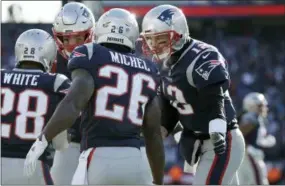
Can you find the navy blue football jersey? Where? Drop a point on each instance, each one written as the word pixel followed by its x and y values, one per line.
pixel 61 67
pixel 29 98
pixel 200 65
pixel 124 83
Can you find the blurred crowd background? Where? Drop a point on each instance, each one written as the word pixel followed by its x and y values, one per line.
pixel 253 44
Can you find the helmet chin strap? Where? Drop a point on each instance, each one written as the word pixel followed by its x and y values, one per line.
pixel 67 53
pixel 163 56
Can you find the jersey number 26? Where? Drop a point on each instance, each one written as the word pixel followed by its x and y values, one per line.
pixel 136 100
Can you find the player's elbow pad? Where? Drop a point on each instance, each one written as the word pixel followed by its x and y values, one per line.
pixel 60 142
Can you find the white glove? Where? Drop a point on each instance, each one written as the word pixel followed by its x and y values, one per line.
pixel 33 155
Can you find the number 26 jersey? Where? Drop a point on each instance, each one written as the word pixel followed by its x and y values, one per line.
pixel 124 84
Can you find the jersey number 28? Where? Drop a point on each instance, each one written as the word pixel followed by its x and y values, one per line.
pixel 21 103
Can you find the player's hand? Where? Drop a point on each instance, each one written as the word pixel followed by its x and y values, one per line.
pixel 219 142
pixel 33 155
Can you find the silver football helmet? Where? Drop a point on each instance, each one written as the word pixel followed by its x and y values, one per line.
pixel 36 45
pixel 117 26
pixel 164 31
pixel 74 19
pixel 255 102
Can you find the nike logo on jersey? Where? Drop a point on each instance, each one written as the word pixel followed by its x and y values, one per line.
pixel 205 56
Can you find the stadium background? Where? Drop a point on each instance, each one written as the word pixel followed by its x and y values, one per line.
pixel 250 34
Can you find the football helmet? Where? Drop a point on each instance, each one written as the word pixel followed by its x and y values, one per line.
pixel 164 31
pixel 36 45
pixel 117 26
pixel 74 20
pixel 255 102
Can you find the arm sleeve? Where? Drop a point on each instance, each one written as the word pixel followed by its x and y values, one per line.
pixel 208 73
pixel 211 101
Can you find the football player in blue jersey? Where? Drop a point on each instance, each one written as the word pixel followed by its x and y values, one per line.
pixel 73 26
pixel 194 91
pixel 29 95
pixel 117 93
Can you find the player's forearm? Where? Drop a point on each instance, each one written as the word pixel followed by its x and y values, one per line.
pixel 169 116
pixel 62 119
pixel 156 156
pixel 212 104
pixel 153 140
pixel 70 107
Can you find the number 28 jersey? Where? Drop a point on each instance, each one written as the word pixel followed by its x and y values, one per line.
pixel 124 83
pixel 28 100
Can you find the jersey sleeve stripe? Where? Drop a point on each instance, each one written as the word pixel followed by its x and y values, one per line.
pixel 58 81
pixel 89 47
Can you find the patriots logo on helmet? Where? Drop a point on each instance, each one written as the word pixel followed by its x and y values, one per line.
pixel 86 13
pixel 166 16
pixel 206 68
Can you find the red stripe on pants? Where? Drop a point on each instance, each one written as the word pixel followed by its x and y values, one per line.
pixel 90 157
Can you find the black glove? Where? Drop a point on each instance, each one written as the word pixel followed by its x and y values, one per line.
pixel 219 142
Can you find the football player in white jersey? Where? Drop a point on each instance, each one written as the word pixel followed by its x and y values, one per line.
pixel 252 123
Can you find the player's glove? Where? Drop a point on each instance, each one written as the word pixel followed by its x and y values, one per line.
pixel 219 142
pixel 33 155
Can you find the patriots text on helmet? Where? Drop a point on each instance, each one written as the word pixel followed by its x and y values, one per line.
pixel 119 40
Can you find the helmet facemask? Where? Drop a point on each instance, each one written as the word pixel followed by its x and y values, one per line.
pixel 79 38
pixel 159 45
